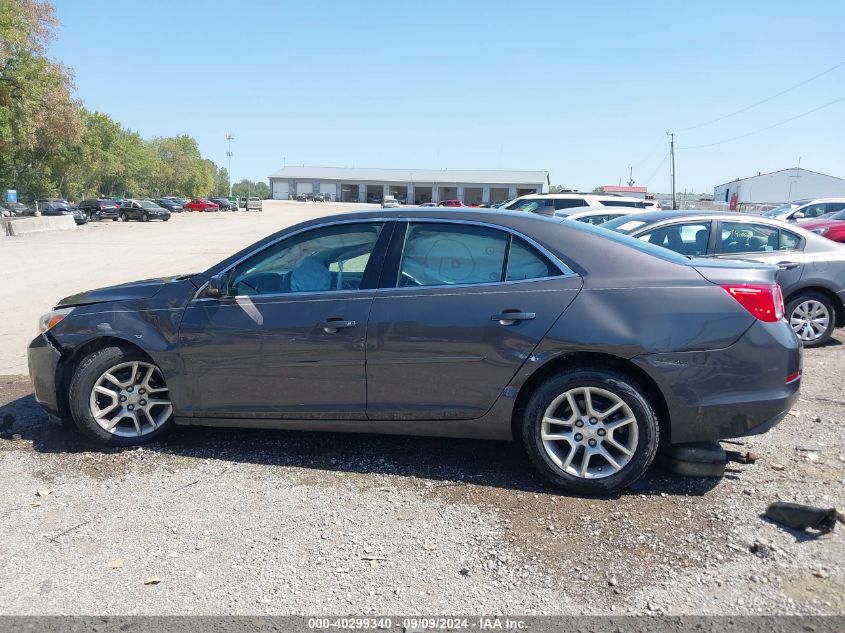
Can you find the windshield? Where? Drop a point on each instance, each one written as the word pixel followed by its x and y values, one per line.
pixel 777 211
pixel 531 205
pixel 623 224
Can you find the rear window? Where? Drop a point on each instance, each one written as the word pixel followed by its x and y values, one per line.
pixel 620 238
pixel 623 203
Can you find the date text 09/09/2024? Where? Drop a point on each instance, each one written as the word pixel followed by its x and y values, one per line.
pixel 483 623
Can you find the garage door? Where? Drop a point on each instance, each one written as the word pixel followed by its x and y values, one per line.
pixel 304 187
pixel 329 188
pixel 280 190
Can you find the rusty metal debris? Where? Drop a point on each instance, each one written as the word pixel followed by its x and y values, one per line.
pixel 743 458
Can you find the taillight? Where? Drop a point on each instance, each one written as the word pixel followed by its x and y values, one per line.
pixel 764 302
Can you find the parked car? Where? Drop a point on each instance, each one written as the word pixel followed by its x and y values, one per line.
pixel 224 204
pixel 234 201
pixel 831 226
pixel 499 204
pixel 60 206
pixel 812 268
pixel 16 209
pixel 143 210
pixel 807 211
pixel 99 209
pixel 450 203
pixel 319 197
pixel 202 204
pixel 596 215
pixel 573 339
pixel 390 203
pixel 242 203
pixel 253 203
pixel 428 204
pixel 554 202
pixel 171 204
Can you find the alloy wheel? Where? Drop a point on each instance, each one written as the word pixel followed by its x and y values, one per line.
pixel 589 432
pixel 809 320
pixel 130 399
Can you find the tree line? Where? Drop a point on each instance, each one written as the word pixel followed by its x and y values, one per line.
pixel 51 145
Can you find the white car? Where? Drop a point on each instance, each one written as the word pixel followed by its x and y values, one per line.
pixel 811 210
pixel 253 203
pixel 390 202
pixel 551 203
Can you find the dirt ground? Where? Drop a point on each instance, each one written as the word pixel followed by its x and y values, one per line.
pixel 218 521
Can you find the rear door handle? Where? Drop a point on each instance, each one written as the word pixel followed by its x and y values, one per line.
pixel 788 265
pixel 509 317
pixel 333 326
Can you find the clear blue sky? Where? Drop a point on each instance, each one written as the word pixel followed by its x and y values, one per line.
pixel 581 89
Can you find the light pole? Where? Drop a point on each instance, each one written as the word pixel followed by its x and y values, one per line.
pixel 230 138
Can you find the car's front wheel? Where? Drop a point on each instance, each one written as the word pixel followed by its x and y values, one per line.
pixel 119 397
pixel 812 317
pixel 590 431
pixel 124 217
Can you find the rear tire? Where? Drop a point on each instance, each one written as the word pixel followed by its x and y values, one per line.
pixel 812 317
pixel 615 420
pixel 145 218
pixel 88 374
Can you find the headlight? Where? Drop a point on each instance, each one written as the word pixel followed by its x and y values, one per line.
pixel 52 318
pixel 821 231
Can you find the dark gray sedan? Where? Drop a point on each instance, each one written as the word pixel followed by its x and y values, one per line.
pixel 588 346
pixel 812 268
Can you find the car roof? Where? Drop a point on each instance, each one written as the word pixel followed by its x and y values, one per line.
pixel 575 194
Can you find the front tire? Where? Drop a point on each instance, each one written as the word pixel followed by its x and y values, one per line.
pixel 123 217
pixel 590 431
pixel 812 317
pixel 118 397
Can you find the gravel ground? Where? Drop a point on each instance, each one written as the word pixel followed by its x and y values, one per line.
pixel 216 521
pixel 272 522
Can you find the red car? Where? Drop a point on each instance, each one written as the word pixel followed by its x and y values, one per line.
pixel 202 204
pixel 450 203
pixel 831 226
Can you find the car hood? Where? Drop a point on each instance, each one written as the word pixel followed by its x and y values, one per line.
pixel 123 292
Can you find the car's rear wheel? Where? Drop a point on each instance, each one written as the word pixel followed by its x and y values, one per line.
pixel 812 317
pixel 119 397
pixel 590 430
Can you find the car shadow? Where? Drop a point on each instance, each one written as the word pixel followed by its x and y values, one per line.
pixel 459 461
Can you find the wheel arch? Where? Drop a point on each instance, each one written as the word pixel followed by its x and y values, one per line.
pixel 71 359
pixel 597 360
pixel 839 309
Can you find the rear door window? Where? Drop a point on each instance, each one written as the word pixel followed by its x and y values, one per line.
pixel 788 241
pixel 747 237
pixel 569 203
pixel 686 238
pixel 525 262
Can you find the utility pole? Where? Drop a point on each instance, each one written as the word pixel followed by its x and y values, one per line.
pixel 230 138
pixel 672 166
pixel 630 176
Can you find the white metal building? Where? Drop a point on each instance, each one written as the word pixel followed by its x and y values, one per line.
pixel 782 186
pixel 411 186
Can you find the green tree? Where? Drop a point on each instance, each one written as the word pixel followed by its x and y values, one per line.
pixel 38 116
pixel 221 182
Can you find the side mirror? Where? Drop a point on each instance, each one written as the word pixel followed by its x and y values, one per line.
pixel 797 215
pixel 216 287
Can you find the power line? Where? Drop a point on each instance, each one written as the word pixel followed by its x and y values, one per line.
pixel 762 101
pixel 768 127
pixel 656 169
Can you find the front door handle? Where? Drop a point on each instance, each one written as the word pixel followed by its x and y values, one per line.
pixel 509 317
pixel 788 265
pixel 333 326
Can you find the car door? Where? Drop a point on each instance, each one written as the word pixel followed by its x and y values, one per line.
pixel 744 239
pixel 459 309
pixel 286 339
